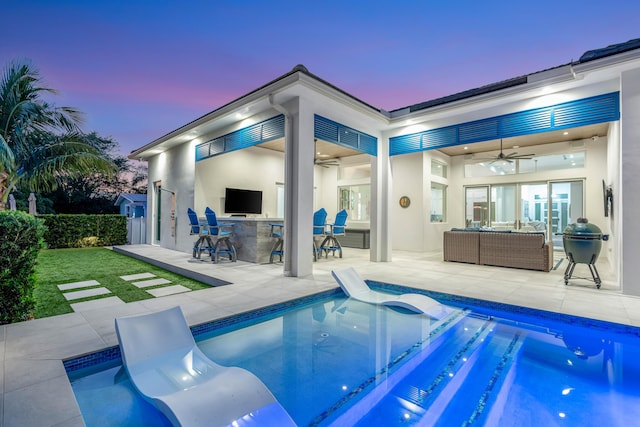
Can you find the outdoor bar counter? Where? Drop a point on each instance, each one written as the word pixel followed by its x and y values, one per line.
pixel 252 237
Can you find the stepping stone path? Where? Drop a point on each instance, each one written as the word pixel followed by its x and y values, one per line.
pixel 92 288
pixel 77 285
pixel 137 276
pixel 70 296
pixel 152 280
pixel 78 292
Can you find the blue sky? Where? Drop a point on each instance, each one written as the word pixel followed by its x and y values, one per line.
pixel 140 69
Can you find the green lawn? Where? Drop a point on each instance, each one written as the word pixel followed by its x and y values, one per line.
pixel 57 266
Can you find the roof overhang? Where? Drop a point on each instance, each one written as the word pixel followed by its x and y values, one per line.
pixel 592 77
pixel 295 83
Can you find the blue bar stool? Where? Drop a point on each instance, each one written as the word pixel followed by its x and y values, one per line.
pixel 199 229
pixel 331 243
pixel 217 231
pixel 319 228
pixel 277 232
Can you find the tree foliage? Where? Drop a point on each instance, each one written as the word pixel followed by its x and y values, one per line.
pixel 41 145
pixel 96 193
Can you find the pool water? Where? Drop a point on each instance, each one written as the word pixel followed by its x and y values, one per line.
pixel 346 363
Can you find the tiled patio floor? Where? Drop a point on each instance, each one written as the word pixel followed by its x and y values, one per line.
pixel 35 389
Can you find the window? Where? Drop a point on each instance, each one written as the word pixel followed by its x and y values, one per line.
pixel 356 200
pixel 438 168
pixel 553 162
pixel 493 167
pixel 438 202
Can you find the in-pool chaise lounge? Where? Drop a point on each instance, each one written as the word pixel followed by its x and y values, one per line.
pixel 356 288
pixel 167 368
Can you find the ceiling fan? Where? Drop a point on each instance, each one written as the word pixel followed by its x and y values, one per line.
pixel 318 158
pixel 326 163
pixel 507 157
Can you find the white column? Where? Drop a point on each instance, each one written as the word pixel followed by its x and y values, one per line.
pixel 630 177
pixel 298 205
pixel 380 196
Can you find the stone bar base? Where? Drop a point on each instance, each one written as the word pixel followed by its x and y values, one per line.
pixel 252 238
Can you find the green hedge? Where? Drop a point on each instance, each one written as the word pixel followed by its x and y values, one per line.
pixel 77 231
pixel 20 242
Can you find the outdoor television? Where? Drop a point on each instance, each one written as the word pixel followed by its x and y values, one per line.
pixel 238 201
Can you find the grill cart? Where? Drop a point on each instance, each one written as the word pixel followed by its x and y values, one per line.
pixel 582 243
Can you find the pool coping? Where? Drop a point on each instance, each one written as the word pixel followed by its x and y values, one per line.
pixel 112 353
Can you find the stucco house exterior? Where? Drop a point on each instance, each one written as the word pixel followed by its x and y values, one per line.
pixel 532 151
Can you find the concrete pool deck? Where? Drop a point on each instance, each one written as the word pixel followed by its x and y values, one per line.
pixel 36 391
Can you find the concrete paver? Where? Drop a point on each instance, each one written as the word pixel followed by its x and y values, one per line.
pixel 137 276
pixel 168 290
pixel 152 282
pixel 70 296
pixel 96 304
pixel 78 285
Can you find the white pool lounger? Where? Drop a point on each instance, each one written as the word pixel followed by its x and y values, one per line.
pixel 356 288
pixel 167 367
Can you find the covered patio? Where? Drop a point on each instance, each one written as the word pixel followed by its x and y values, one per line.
pixel 428 167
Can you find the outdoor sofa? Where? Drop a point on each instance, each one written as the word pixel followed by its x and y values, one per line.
pixel 500 248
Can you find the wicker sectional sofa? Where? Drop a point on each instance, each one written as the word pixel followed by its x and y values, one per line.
pixel 505 249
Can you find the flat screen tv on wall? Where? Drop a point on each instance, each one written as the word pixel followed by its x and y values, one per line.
pixel 237 201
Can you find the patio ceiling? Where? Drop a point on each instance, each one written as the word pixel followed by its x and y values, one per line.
pixel 324 150
pixel 327 150
pixel 573 134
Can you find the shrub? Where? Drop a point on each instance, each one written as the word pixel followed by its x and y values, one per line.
pixel 70 231
pixel 20 241
pixel 89 242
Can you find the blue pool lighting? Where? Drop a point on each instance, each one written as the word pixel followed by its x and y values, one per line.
pixel 332 361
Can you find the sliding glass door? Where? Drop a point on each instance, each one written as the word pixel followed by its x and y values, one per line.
pixel 540 206
pixel 533 206
pixel 503 208
pixel 567 205
pixel 477 206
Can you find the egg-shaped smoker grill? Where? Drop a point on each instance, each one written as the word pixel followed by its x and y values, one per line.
pixel 582 243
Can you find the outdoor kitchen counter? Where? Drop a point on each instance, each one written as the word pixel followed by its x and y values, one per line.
pixel 252 237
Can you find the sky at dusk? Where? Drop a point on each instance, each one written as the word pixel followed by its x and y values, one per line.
pixel 139 69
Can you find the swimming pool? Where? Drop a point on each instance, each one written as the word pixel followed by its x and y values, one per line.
pixel 334 361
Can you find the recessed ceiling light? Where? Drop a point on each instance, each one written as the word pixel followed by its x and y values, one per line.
pixel 466 148
pixel 516 146
pixel 565 133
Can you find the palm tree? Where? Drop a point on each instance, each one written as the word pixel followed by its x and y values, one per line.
pixel 40 144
